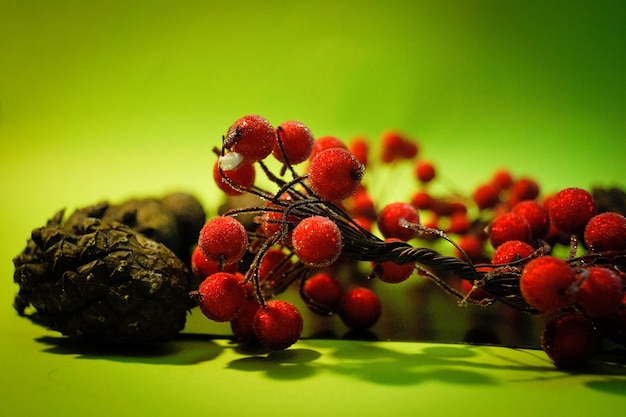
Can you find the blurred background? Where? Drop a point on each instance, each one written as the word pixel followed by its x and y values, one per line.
pixel 113 99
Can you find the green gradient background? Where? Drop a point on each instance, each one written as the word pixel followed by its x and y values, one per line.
pixel 112 99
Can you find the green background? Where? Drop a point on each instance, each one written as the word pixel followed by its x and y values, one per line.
pixel 114 99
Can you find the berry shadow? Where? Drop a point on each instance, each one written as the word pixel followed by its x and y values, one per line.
pixel 291 364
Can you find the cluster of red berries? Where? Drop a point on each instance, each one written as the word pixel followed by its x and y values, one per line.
pixel 323 217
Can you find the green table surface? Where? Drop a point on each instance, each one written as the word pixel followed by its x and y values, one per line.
pixel 115 99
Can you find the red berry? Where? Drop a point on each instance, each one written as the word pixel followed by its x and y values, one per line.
pixel 502 179
pixel 223 239
pixel 486 196
pixel 508 226
pixel 297 141
pixel 221 296
pixel 570 210
pixel 510 251
pixel 278 325
pixel 424 171
pixel 570 340
pixel 242 326
pixel 252 136
pixel 317 241
pixel 392 272
pixel 546 283
pixel 459 223
pixel 360 149
pixel 326 142
pixel 600 294
pixel 523 189
pixel 389 221
pixel 422 200
pixel 473 246
pixel 322 292
pixel 396 146
pixel 242 176
pixel 273 264
pixel 606 232
pixel 202 267
pixel 335 174
pixel 536 215
pixel 359 308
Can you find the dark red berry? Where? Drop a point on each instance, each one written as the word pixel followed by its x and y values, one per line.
pixel 422 200
pixel 600 294
pixel 473 246
pixel 510 251
pixel 570 209
pixel 297 142
pixel 508 226
pixel 523 189
pixel 396 146
pixel 424 171
pixel 606 232
pixel 251 136
pixel 392 272
pixel 360 148
pixel 242 176
pixel 223 239
pixel 278 325
pixel 202 267
pixel 221 296
pixel 242 326
pixel 546 283
pixel 570 340
pixel 536 215
pixel 322 292
pixel 389 221
pixel 335 174
pixel 317 241
pixel 359 308
pixel 502 179
pixel 486 196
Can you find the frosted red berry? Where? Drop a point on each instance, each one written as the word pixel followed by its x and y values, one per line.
pixel 242 325
pixel 220 296
pixel 252 136
pixel 571 208
pixel 389 220
pixel 335 174
pixel 600 294
pixel 546 283
pixel 223 239
pixel 278 325
pixel 508 226
pixel 606 232
pixel 317 241
pixel 570 340
pixel 360 308
pixel 322 292
pixel 326 142
pixel 297 142
pixel 510 251
pixel 202 267
pixel 536 215
pixel 425 171
pixel 242 176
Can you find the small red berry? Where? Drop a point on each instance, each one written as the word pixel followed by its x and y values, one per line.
pixel 242 176
pixel 546 283
pixel 360 149
pixel 242 326
pixel 459 223
pixel 424 171
pixel 335 174
pixel 508 226
pixel 202 267
pixel 502 179
pixel 486 196
pixel 359 308
pixel 252 136
pixel 297 142
pixel 422 200
pixel 322 292
pixel 510 251
pixel 606 232
pixel 391 272
pixel 278 325
pixel 473 246
pixel 273 265
pixel 389 221
pixel 223 239
pixel 326 142
pixel 397 146
pixel 600 294
pixel 571 208
pixel 317 241
pixel 536 215
pixel 523 189
pixel 570 340
pixel 221 296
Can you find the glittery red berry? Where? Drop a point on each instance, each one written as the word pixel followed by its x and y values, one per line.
pixel 508 226
pixel 359 308
pixel 278 325
pixel 510 251
pixel 600 294
pixel 202 267
pixel 546 283
pixel 571 208
pixel 322 292
pixel 317 241
pixel 242 176
pixel 223 239
pixel 251 136
pixel 297 142
pixel 570 340
pixel 220 296
pixel 536 215
pixel 389 220
pixel 335 174
pixel 606 232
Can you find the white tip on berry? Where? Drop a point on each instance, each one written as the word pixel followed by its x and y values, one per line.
pixel 230 161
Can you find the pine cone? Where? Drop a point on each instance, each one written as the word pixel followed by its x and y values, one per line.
pixel 98 278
